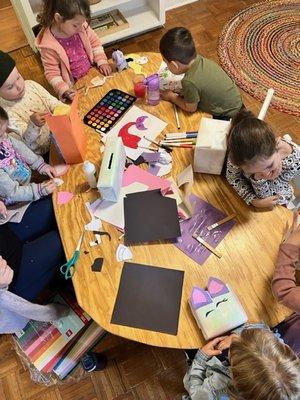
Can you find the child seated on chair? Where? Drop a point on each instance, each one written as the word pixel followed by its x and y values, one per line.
pixel 68 46
pixel 259 367
pixel 205 85
pixel 260 166
pixel 16 163
pixel 27 104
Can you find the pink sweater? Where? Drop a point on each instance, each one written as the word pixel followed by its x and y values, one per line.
pixel 284 280
pixel 55 60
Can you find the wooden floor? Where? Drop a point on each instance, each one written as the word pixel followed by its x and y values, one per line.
pixel 134 371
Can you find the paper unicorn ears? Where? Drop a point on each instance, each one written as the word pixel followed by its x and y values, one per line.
pixel 201 297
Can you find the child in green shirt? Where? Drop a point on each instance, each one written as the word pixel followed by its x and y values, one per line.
pixel 205 85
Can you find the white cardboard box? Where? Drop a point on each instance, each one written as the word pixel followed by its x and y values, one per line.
pixel 210 149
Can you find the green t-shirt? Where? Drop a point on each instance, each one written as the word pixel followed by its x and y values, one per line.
pixel 208 85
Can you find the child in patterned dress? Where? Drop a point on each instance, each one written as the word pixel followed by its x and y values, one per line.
pixel 260 166
pixel 16 163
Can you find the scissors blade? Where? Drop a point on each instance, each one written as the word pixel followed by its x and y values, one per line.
pixel 79 242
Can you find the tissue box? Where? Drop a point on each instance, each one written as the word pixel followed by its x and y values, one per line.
pixel 210 149
pixel 217 310
pixel 112 167
pixel 67 134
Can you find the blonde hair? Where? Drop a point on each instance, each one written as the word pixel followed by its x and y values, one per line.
pixel 264 368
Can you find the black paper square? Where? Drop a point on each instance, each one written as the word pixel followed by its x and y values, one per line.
pixel 150 216
pixel 149 298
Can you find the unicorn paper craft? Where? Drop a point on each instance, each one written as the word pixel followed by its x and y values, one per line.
pixel 217 310
pixel 118 58
pixel 130 140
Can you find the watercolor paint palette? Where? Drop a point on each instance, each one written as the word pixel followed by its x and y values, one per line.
pixel 103 116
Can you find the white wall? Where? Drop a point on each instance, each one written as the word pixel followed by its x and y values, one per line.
pixel 176 3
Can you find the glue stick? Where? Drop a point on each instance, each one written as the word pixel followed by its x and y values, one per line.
pixel 89 170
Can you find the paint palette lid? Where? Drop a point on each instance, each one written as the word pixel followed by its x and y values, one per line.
pixel 104 115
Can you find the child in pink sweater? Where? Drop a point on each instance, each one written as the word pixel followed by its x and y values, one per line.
pixel 68 46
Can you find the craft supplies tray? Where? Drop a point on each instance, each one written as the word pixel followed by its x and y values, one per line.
pixel 104 115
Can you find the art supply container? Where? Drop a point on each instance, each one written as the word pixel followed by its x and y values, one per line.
pixel 139 85
pixel 89 171
pixel 153 95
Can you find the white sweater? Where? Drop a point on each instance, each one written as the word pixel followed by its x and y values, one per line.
pixel 35 99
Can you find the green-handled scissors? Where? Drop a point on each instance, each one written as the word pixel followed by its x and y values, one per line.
pixel 68 268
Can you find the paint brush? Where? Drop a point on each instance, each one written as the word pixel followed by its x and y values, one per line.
pixel 221 222
pixel 205 244
pixel 167 148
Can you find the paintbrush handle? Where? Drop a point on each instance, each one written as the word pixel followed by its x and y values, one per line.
pixel 221 222
pixel 208 246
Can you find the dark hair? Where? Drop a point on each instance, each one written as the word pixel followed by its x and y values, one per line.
pixel 3 114
pixel 68 9
pixel 249 138
pixel 178 45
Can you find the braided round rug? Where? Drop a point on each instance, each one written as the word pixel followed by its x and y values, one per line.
pixel 259 48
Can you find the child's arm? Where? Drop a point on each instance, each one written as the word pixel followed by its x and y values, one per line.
pixel 187 100
pixel 284 281
pixel 98 52
pixel 175 98
pixel 52 71
pixel 238 181
pixel 50 101
pixel 33 160
pixel 245 190
pixel 196 382
pixel 13 192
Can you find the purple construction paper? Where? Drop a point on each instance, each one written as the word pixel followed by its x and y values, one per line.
pixel 153 169
pixel 151 157
pixel 204 214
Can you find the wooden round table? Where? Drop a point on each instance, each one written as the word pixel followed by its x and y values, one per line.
pixel 249 251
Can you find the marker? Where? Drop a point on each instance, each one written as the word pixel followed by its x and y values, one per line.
pixel 186 145
pixel 176 116
pixel 183 135
pixel 166 141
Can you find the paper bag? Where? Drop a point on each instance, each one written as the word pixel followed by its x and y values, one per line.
pixel 68 134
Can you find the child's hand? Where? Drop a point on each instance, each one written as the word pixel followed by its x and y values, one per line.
pixel 211 348
pixel 48 170
pixel 38 118
pixel 48 187
pixel 6 273
pixel 68 95
pixel 226 343
pixel 268 202
pixel 168 95
pixel 105 69
pixel 3 210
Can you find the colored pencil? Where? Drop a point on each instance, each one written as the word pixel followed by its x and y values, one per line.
pixel 192 134
pixel 176 116
pixel 184 142
pixel 222 221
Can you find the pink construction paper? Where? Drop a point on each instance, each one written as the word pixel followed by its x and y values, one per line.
pixel 61 169
pixel 64 197
pixel 137 174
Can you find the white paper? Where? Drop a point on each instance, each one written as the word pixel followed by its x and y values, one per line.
pixel 94 225
pixel 113 213
pixel 135 124
pixel 123 253
pixel 169 81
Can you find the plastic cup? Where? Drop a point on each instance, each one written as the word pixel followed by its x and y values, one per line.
pixel 138 86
